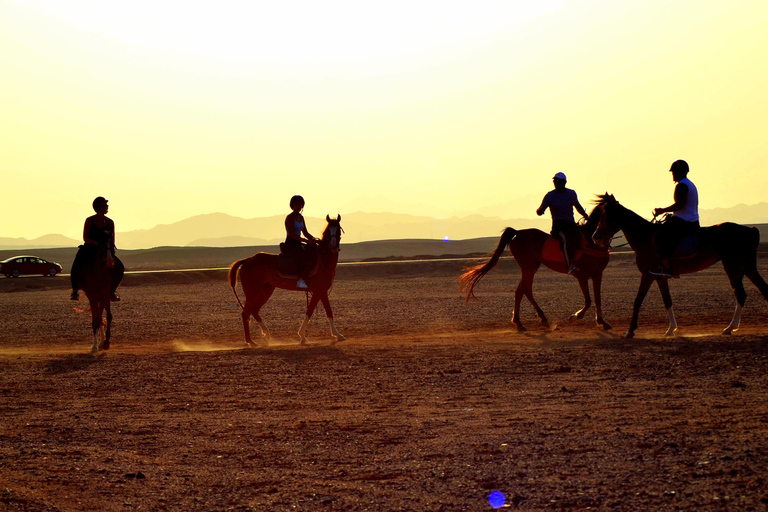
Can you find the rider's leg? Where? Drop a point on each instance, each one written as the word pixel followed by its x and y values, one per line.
pixel 74 273
pixel 116 273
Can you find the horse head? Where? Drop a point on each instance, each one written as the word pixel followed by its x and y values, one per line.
pixel 332 234
pixel 608 224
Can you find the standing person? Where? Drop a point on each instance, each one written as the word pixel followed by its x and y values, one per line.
pixel 97 229
pixel 294 243
pixel 561 201
pixel 684 220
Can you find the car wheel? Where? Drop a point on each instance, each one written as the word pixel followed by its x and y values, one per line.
pixel 52 272
pixel 15 272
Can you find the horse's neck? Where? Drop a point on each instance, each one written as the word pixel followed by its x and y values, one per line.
pixel 637 230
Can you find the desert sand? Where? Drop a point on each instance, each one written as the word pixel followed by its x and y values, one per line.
pixel 430 404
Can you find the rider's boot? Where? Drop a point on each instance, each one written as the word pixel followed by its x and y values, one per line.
pixel 301 285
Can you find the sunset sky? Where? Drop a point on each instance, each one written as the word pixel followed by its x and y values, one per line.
pixel 172 109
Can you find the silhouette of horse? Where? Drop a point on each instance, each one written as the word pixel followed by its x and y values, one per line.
pixel 259 276
pixel 531 248
pixel 96 282
pixel 734 244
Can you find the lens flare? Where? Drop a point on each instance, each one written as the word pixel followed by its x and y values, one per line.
pixel 497 499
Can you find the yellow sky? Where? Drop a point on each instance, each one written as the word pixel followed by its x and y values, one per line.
pixel 431 108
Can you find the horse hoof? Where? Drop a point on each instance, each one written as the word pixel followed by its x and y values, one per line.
pixel 606 326
pixel 521 328
pixel 94 350
pixel 339 337
pixel 727 332
pixel 545 323
pixel 628 335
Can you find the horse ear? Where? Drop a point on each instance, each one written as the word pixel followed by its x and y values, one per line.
pixel 338 217
pixel 327 218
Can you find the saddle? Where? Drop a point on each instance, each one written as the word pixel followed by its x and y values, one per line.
pixel 688 247
pixel 288 264
pixel 551 250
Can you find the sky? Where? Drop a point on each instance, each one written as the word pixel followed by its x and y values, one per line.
pixel 173 109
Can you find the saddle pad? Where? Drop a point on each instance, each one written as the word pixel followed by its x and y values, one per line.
pixel 688 247
pixel 551 250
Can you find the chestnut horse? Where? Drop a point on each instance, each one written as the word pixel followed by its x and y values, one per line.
pixel 96 282
pixel 531 248
pixel 259 277
pixel 734 244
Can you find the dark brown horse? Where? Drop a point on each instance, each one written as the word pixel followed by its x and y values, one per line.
pixel 532 248
pixel 96 282
pixel 259 277
pixel 734 244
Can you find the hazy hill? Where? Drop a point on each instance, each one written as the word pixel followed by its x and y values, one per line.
pixel 222 230
pixel 36 243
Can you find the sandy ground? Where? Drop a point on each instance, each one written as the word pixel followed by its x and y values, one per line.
pixel 431 404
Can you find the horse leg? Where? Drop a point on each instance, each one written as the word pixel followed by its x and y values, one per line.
pixel 736 277
pixel 584 285
pixel 667 298
pixel 519 292
pixel 529 293
pixel 96 325
pixel 597 281
pixel 252 308
pixel 310 309
pixel 327 306
pixel 645 284
pixel 108 334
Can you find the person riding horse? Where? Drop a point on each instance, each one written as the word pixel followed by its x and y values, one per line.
pixel 98 230
pixel 684 220
pixel 561 201
pixel 294 246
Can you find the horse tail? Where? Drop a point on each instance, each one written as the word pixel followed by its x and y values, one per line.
pixel 232 278
pixel 751 264
pixel 472 275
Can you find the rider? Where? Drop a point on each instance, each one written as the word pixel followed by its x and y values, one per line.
pixel 684 220
pixel 294 243
pixel 98 228
pixel 561 201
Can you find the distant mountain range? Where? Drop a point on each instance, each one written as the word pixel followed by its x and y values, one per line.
pixel 222 230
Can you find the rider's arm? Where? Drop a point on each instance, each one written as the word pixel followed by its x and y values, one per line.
pixel 87 230
pixel 543 207
pixel 306 234
pixel 580 209
pixel 112 223
pixel 681 194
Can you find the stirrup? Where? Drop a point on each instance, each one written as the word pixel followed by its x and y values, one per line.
pixel 662 272
pixel 301 285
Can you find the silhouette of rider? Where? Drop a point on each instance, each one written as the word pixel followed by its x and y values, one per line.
pixel 684 220
pixel 98 229
pixel 295 245
pixel 561 201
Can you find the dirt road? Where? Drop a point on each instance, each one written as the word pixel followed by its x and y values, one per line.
pixel 431 404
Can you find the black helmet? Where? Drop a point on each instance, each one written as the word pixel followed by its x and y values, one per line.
pixel 679 166
pixel 296 199
pixel 97 203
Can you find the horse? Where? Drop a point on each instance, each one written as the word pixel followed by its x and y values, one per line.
pixel 734 244
pixel 259 277
pixel 96 282
pixel 533 247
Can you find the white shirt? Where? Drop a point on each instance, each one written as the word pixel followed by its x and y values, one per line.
pixel 690 210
